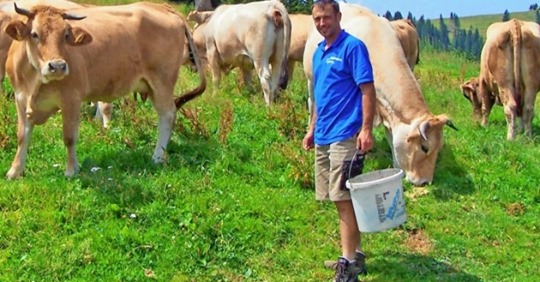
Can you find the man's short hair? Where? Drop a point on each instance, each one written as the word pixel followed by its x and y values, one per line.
pixel 322 3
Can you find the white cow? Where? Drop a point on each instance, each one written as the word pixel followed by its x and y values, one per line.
pixel 415 135
pixel 252 35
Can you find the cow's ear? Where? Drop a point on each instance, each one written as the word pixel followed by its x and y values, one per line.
pixel 17 30
pixel 79 37
pixel 467 86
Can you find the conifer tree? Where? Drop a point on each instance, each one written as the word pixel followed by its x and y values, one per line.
pixel 506 16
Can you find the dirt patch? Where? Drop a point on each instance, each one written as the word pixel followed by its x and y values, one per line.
pixel 418 242
pixel 416 193
pixel 515 209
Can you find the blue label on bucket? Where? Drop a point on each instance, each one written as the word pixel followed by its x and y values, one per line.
pixel 393 207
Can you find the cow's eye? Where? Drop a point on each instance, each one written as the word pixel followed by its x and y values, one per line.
pixel 424 148
pixel 66 36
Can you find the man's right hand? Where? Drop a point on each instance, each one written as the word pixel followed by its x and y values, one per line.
pixel 307 142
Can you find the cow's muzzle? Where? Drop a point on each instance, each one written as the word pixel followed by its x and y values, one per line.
pixel 55 70
pixel 57 66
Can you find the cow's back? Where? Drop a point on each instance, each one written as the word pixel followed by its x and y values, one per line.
pixel 408 37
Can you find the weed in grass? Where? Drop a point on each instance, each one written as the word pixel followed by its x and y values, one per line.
pixel 226 122
pixel 197 127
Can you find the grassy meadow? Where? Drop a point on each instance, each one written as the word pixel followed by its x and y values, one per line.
pixel 235 200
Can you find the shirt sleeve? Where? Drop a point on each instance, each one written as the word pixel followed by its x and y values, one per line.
pixel 360 65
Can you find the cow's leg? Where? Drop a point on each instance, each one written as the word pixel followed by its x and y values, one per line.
pixel 390 139
pixel 246 77
pixel 71 112
pixel 3 58
pixel 213 61
pixel 290 70
pixel 163 102
pixel 104 113
pixel 24 132
pixel 510 111
pixel 486 100
pixel 310 100
pixel 528 111
pixel 265 77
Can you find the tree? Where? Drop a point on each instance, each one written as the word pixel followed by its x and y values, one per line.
pixel 443 37
pixel 506 16
pixel 537 17
pixel 398 16
pixel 410 17
pixel 388 15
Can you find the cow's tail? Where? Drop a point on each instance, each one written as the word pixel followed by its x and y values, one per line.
pixel 194 57
pixel 517 42
pixel 280 17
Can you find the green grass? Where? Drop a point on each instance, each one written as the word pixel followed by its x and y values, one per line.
pixel 235 201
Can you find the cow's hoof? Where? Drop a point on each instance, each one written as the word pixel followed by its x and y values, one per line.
pixel 158 160
pixel 72 172
pixel 13 174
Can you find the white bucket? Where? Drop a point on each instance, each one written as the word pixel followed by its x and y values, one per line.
pixel 377 199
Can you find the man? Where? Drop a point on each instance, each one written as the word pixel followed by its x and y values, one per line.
pixel 341 125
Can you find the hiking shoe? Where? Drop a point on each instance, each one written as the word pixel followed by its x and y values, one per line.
pixel 360 259
pixel 346 271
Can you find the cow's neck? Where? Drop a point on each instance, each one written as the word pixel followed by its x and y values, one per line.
pixel 397 89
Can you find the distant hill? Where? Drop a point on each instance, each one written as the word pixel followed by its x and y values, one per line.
pixel 483 21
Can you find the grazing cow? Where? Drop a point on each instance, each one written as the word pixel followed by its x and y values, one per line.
pixel 415 135
pixel 199 17
pixel 252 35
pixel 199 38
pixel 408 38
pixel 509 73
pixel 59 59
pixel 301 27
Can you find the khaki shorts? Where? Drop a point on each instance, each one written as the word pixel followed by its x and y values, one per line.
pixel 329 165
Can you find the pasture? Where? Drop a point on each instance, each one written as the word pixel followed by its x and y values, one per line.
pixel 235 199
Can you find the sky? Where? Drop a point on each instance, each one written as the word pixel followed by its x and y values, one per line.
pixel 432 9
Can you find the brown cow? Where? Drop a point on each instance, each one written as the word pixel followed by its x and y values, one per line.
pixel 111 51
pixel 199 17
pixel 7 14
pixel 414 133
pixel 301 27
pixel 408 38
pixel 509 72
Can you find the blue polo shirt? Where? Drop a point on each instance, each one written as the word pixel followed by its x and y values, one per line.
pixel 337 75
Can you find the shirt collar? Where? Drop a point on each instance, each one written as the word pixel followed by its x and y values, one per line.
pixel 341 37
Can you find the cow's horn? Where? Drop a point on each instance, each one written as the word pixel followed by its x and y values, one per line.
pixel 423 127
pixel 451 125
pixel 21 11
pixel 67 16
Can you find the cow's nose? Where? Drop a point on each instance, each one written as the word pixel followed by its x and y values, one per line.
pixel 57 65
pixel 418 181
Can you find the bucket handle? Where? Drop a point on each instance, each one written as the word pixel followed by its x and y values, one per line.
pixel 352 160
